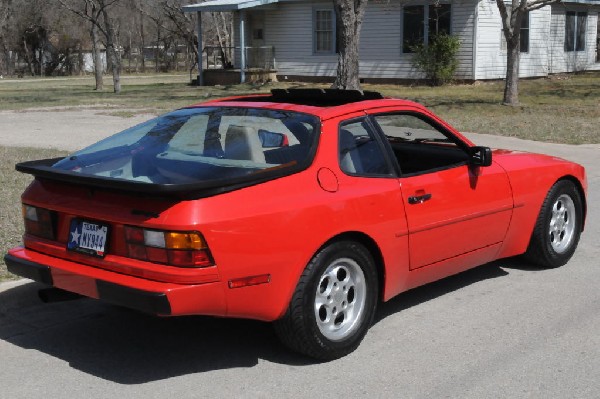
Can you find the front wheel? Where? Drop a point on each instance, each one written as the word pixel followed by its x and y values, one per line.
pixel 558 227
pixel 333 304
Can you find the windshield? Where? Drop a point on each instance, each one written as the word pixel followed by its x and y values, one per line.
pixel 197 145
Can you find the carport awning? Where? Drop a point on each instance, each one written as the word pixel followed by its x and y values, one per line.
pixel 226 5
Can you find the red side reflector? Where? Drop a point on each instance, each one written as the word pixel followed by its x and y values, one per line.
pixel 252 280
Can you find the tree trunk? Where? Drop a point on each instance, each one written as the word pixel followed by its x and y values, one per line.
pixel 511 87
pixel 156 54
pixel 142 37
pixel 97 58
pixel 28 58
pixel 112 52
pixel 349 15
pixel 80 60
pixel 220 39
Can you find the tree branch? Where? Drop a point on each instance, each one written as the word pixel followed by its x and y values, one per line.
pixel 537 4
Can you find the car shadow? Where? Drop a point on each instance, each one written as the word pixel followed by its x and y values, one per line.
pixel 439 288
pixel 128 347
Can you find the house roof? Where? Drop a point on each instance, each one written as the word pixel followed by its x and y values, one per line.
pixel 226 5
pixel 233 5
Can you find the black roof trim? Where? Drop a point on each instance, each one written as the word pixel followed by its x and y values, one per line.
pixel 316 97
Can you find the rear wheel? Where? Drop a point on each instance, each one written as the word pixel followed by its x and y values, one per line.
pixel 333 304
pixel 558 227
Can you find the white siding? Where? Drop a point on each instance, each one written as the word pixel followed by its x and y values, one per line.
pixel 288 27
pixel 572 61
pixel 491 57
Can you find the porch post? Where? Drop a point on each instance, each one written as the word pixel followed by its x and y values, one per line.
pixel 200 67
pixel 242 46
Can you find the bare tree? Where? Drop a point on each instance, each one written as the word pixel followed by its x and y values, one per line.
pixel 6 11
pixel 223 28
pixel 169 17
pixel 512 17
pixel 97 13
pixel 348 15
pixel 96 53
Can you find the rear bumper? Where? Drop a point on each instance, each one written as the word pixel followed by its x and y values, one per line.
pixel 157 298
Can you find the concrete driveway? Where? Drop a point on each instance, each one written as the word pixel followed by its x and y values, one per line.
pixel 503 330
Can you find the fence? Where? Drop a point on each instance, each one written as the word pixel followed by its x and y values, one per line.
pixel 260 57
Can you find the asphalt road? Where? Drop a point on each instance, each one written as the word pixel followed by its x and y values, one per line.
pixel 503 330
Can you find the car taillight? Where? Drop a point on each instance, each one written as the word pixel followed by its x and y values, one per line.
pixel 183 249
pixel 39 222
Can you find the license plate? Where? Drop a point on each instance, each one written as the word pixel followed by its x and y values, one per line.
pixel 87 237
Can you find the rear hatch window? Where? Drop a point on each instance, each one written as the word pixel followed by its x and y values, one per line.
pixel 193 148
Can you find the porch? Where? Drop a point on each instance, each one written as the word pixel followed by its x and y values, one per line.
pixel 256 61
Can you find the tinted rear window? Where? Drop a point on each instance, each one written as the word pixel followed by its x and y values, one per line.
pixel 198 145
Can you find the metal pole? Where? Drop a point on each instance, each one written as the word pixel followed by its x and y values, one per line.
pixel 242 46
pixel 199 26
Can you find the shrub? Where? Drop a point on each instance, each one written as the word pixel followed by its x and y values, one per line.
pixel 437 59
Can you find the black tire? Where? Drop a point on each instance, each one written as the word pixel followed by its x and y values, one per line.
pixel 342 275
pixel 558 227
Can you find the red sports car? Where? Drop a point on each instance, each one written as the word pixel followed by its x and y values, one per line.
pixel 302 207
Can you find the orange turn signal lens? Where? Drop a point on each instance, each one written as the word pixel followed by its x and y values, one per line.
pixel 175 240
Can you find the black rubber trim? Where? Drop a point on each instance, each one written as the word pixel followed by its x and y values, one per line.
pixel 155 303
pixel 27 269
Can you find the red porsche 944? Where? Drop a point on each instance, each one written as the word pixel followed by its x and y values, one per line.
pixel 302 207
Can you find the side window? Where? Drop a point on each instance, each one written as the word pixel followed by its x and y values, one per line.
pixel 359 151
pixel 419 146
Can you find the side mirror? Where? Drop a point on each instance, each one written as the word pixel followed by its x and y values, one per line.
pixel 480 156
pixel 271 139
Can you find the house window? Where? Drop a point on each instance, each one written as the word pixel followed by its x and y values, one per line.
pixel 524 35
pixel 422 22
pixel 576 23
pixel 324 31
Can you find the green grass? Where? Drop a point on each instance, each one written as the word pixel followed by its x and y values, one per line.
pixel 564 108
pixel 12 185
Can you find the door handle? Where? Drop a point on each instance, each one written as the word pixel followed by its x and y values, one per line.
pixel 419 199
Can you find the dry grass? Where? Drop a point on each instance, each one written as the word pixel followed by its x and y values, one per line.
pixel 12 185
pixel 563 108
pixel 156 93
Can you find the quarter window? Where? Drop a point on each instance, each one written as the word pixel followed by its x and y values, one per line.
pixel 576 23
pixel 324 31
pixel 360 153
pixel 420 23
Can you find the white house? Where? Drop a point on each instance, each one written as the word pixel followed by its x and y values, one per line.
pixel 301 35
